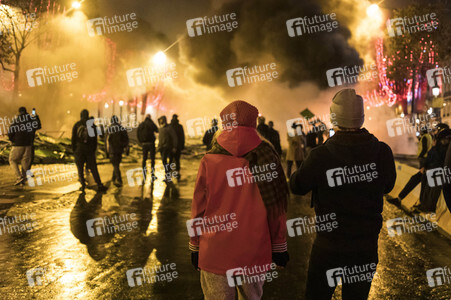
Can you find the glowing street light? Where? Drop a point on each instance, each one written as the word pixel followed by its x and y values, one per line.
pixel 159 58
pixel 76 5
pixel 435 91
pixel 106 105
pixel 373 10
pixel 121 103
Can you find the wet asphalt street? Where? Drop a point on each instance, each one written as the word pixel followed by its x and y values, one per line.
pixel 75 266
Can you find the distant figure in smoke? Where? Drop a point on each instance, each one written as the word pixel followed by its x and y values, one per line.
pixel 84 145
pixel 21 133
pixel 117 142
pixel 424 145
pixel 274 138
pixel 36 118
pixel 435 159
pixel 348 177
pixel 146 137
pixel 296 143
pixel 167 146
pixel 258 207
pixel 262 128
pixel 178 129
pixel 208 136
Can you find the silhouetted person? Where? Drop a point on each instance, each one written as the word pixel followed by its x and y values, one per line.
pixel 208 136
pixel 117 141
pixel 146 137
pixel 178 129
pixel 295 151
pixel 262 128
pixel 167 146
pixel 21 133
pixel 84 145
pixel 274 137
pixel 35 117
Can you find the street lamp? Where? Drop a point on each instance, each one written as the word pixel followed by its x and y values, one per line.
pixel 373 10
pixel 435 91
pixel 159 58
pixel 76 5
pixel 121 103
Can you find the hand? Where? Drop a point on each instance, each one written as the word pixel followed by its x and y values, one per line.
pixel 195 260
pixel 280 258
pixel 422 170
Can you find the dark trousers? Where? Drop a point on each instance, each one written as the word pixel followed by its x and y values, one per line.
pixel 32 156
pixel 290 164
pixel 324 259
pixel 116 159
pixel 177 155
pixel 411 184
pixel 90 160
pixel 149 150
pixel 167 158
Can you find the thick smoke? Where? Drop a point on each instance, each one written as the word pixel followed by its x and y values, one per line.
pixel 261 33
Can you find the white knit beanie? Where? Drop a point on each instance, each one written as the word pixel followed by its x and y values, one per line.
pixel 347 109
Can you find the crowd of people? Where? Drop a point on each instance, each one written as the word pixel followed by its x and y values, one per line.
pixel 84 142
pixel 252 147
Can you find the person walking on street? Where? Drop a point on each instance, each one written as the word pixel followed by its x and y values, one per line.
pixel 274 138
pixel 348 177
pixel 424 145
pixel 117 142
pixel 296 143
pixel 262 128
pixel 180 133
pixel 208 136
pixel 146 137
pixel 167 146
pixel 258 207
pixel 84 145
pixel 21 133
pixel 36 118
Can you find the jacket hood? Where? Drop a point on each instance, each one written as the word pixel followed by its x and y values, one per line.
pixel 240 140
pixel 354 147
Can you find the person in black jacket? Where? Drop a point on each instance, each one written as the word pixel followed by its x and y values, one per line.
pixel 447 186
pixel 208 136
pixel 262 128
pixel 36 118
pixel 84 145
pixel 146 137
pixel 274 138
pixel 348 176
pixel 117 141
pixel 21 133
pixel 178 129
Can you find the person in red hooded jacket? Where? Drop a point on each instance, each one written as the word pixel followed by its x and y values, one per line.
pixel 238 224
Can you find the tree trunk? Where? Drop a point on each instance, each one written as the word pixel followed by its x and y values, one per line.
pixel 16 78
